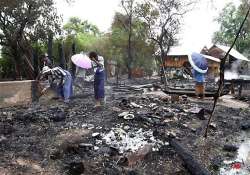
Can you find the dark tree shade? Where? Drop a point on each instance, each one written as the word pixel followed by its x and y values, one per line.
pixel 61 56
pixel 23 23
pixel 50 46
pixel 73 67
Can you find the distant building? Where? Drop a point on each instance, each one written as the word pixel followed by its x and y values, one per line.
pixel 235 59
pixel 177 57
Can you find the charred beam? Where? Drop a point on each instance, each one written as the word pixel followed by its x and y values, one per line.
pixel 193 166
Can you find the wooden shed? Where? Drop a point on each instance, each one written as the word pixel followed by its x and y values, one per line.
pixel 219 51
pixel 175 61
pixel 213 66
pixel 177 57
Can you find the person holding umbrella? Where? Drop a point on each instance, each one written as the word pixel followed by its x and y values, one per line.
pixel 92 60
pixel 200 68
pixel 99 78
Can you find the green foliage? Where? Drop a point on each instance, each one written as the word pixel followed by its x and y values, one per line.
pixel 86 41
pixel 22 24
pixel 142 49
pixel 76 26
pixel 86 37
pixel 30 18
pixel 162 21
pixel 6 68
pixel 230 20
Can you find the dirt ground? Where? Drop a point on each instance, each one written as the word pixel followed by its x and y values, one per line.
pixel 53 138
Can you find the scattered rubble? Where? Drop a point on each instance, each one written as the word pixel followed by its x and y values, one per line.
pixel 132 140
pixel 130 135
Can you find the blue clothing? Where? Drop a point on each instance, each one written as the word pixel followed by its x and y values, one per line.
pixel 99 84
pixel 199 77
pixel 66 89
pixel 198 62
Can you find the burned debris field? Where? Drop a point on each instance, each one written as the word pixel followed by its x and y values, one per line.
pixel 124 87
pixel 134 133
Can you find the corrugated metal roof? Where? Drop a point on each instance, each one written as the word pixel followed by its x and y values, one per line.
pixel 178 51
pixel 233 52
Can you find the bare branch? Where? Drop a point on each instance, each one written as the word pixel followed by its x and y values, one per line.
pixel 123 24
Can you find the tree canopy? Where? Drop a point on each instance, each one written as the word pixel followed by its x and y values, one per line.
pixel 76 25
pixel 230 20
pixel 138 31
pixel 22 23
pixel 141 49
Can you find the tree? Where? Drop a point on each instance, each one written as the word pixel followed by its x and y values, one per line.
pixel 23 23
pixel 78 36
pixel 230 20
pixel 6 66
pixel 141 49
pixel 128 6
pixel 81 33
pixel 162 19
pixel 76 25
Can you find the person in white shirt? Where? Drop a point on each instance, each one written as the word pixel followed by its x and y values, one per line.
pixel 99 78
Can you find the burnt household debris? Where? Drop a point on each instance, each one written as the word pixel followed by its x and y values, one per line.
pixel 140 130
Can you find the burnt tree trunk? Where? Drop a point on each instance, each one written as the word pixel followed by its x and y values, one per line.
pixel 17 62
pixel 163 71
pixel 35 62
pixel 73 67
pixel 27 55
pixel 17 70
pixel 61 56
pixel 50 46
pixel 130 57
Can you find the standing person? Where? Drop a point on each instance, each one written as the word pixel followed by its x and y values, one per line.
pixel 200 68
pixel 98 65
pixel 199 83
pixel 46 61
pixel 62 79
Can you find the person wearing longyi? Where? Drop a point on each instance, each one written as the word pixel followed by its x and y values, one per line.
pixel 63 80
pixel 98 65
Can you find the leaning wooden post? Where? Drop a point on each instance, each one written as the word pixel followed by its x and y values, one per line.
pixel 222 69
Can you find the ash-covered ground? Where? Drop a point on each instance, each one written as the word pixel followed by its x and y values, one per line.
pixel 129 135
